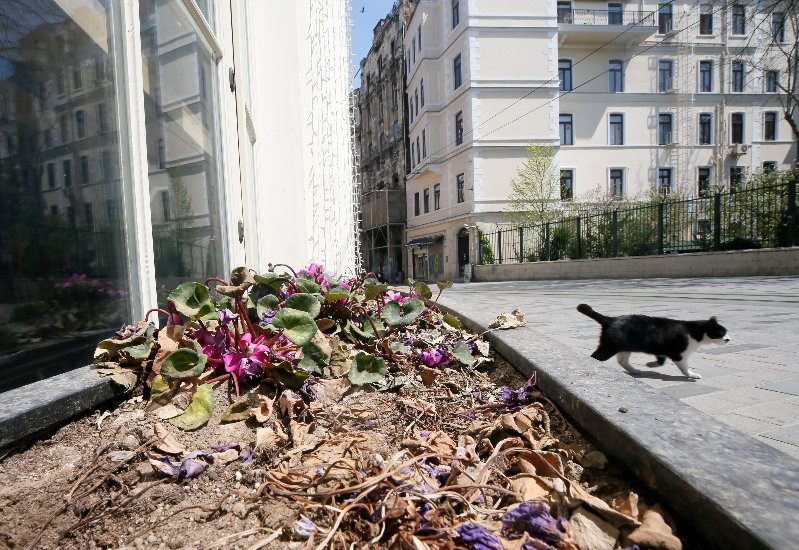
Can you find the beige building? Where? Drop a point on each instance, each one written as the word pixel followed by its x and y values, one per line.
pixel 633 96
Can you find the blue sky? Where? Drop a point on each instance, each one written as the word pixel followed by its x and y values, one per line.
pixel 363 25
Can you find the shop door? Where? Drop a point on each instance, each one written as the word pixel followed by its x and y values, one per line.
pixel 463 251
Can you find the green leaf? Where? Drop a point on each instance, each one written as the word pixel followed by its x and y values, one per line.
pixel 393 383
pixel 189 298
pixel 309 364
pixel 367 368
pixel 444 285
pixel 225 303
pixel 462 353
pixel 248 303
pixel 286 374
pixel 367 327
pixel 298 326
pixel 394 314
pixel 207 312
pixel 336 293
pixel 307 285
pixel 370 281
pixel 240 410
pixel 409 283
pixel 199 410
pixel 372 290
pixel 398 347
pixel 138 352
pixel 452 321
pixel 315 353
pixel 183 363
pixel 422 290
pixel 266 278
pixel 356 335
pixel 325 324
pixel 304 302
pixel 270 302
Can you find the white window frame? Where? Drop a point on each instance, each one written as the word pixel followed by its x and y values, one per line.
pixel 743 127
pixel 776 126
pixel 699 128
pixel 671 178
pixel 711 178
pixel 699 75
pixel 623 128
pixel 743 76
pixel 573 170
pixel 623 180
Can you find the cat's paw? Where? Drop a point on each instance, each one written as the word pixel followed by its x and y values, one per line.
pixel 653 364
pixel 634 371
pixel 694 375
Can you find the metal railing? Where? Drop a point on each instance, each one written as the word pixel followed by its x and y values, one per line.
pixel 764 217
pixel 606 17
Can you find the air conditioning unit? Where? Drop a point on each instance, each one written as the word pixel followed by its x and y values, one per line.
pixel 739 149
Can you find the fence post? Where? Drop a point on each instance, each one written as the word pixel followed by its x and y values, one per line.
pixel 791 237
pixel 549 252
pixel 717 222
pixel 579 241
pixel 480 247
pixel 615 233
pixel 521 244
pixel 660 228
pixel 499 246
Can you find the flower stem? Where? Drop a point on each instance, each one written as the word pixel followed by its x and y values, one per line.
pixel 217 280
pixel 214 361
pixel 235 383
pixel 158 310
pixel 219 378
pixel 437 297
pixel 273 340
pixel 243 313
pixel 273 266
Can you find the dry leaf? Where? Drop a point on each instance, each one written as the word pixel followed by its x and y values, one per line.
pixel 291 404
pixel 509 320
pixel 428 376
pixel 168 411
pixel 329 392
pixel 263 412
pixel 529 487
pixel 629 506
pixel 167 443
pixel 298 432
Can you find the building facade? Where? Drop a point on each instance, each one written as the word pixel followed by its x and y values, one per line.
pixel 633 97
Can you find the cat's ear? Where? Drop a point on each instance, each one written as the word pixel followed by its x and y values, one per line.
pixel 713 319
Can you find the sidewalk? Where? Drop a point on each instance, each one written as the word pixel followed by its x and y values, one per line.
pixel 751 384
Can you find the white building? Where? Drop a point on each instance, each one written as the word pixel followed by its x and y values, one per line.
pixel 633 97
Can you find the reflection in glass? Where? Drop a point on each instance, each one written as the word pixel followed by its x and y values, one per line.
pixel 62 255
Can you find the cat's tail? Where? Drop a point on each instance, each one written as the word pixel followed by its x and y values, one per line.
pixel 585 309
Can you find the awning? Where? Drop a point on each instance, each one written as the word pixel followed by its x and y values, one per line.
pixel 418 243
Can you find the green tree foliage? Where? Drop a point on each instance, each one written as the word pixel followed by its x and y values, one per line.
pixel 535 196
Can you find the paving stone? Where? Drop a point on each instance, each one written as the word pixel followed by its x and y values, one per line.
pixel 745 424
pixel 730 348
pixel 680 391
pixel 712 403
pixel 783 412
pixel 787 448
pixel 790 387
pixel 767 375
pixel 789 434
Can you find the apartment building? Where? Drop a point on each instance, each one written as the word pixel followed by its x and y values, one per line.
pixel 633 97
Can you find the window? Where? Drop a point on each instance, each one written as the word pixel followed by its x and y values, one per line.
pixel 413 51
pixel 565 12
pixel 48 138
pixel 84 169
pixel 665 75
pixel 772 81
pixel 396 131
pixel 664 181
pixel 106 166
pixel 88 216
pixel 736 128
pixel 769 166
pixel 778 27
pixel 50 175
pixel 737 81
pixel 617 182
pixel 565 69
pixel 617 129
pixel 165 206
pixel 705 76
pixel 80 124
pixel 738 21
pixel 416 94
pixel 419 34
pixel 60 85
pixel 566 185
pixel 410 109
pixel 99 67
pixel 11 144
pixel 736 177
pixel 566 136
pixel 64 124
pixel 102 118
pixel 615 76
pixel 416 204
pixel 705 19
pixel 161 154
pixel 382 142
pixel 437 196
pixel 705 128
pixel 459 129
pixel 393 49
pixel 418 151
pixel 394 93
pixel 456 13
pixel 460 188
pixel 380 107
pixel 427 201
pixel 664 129
pixel 664 18
pixel 614 14
pixel 67 166
pixel 703 182
pixel 77 81
pixel 413 156
pixel 424 146
pixel 770 126
pixel 421 87
pixel 457 78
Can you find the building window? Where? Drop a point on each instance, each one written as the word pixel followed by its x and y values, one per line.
pixel 705 19
pixel 459 128
pixel 416 204
pixel 617 129
pixel 736 177
pixel 772 81
pixel 418 151
pixel 67 166
pixel 703 182
pixel 778 27
pixel 48 138
pixel 84 169
pixel 738 20
pixel 413 51
pixel 769 166
pixel 80 124
pixel 427 201
pixel 421 87
pixel 424 145
pixel 77 81
pixel 770 126
pixel 88 216
pixel 64 124
pixel 616 76
pixel 457 78
pixel 565 12
pixel 416 95
pixel 736 128
pixel 565 69
pixel 413 156
pixel 566 135
pixel 705 76
pixel 102 118
pixel 460 188
pixel 419 35
pixel 665 75
pixel 617 182
pixel 165 206
pixel 456 13
pixel 99 67
pixel 60 85
pixel 614 14
pixel 664 18
pixel 705 128
pixel 664 129
pixel 382 142
pixel 437 196
pixel 50 175
pixel 380 106
pixel 396 131
pixel 566 185
pixel 393 49
pixel 161 154
pixel 664 181
pixel 394 93
pixel 737 82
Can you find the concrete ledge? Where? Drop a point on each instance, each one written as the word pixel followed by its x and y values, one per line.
pixel 31 408
pixel 737 263
pixel 735 491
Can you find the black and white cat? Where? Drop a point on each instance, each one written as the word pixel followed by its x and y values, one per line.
pixel 663 338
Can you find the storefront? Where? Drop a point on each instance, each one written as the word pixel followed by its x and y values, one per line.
pixel 428 257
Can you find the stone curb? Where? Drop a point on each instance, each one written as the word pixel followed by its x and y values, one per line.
pixel 31 408
pixel 733 490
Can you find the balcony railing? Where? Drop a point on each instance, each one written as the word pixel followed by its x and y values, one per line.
pixel 606 17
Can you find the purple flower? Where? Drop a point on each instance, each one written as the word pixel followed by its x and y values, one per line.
pixel 515 400
pixel 269 314
pixel 247 455
pixel 163 464
pixel 533 518
pixel 478 537
pixel 173 318
pixel 191 467
pixel 222 448
pixel 226 316
pixel 304 528
pixel 435 356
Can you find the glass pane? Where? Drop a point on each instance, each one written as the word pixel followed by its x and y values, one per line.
pixel 181 112
pixel 64 283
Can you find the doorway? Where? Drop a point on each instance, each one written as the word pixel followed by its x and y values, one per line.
pixel 463 251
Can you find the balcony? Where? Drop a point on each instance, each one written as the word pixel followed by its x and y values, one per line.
pixel 600 26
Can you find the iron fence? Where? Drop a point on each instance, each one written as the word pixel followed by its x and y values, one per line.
pixel 764 217
pixel 606 17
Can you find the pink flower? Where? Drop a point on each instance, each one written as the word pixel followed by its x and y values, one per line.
pixel 395 296
pixel 248 361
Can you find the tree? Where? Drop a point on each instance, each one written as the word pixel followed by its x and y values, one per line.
pixel 535 196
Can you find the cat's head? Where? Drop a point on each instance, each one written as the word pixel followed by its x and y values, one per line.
pixel 716 333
